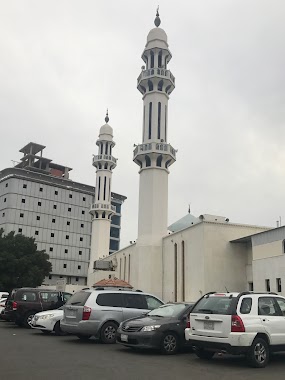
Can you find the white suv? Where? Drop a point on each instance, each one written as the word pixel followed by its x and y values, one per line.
pixel 246 323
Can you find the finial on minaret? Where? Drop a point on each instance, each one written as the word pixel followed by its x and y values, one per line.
pixel 107 117
pixel 157 19
pixel 189 211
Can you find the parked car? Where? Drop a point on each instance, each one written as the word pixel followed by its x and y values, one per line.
pixel 246 323
pixel 162 328
pixel 98 312
pixel 24 303
pixel 2 304
pixel 48 321
pixel 4 295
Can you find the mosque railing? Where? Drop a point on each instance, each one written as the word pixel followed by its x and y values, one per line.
pixel 104 157
pixel 155 147
pixel 102 206
pixel 156 72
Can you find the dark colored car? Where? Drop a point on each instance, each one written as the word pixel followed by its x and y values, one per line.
pixel 162 328
pixel 23 303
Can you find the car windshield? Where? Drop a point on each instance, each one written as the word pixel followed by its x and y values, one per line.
pixel 213 305
pixel 170 310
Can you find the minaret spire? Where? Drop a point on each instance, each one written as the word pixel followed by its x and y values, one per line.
pixel 157 19
pixel 107 117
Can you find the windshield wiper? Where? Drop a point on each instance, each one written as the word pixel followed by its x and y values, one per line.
pixel 209 311
pixel 75 303
pixel 154 315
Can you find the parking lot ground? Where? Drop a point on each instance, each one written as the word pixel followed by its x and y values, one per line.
pixel 29 354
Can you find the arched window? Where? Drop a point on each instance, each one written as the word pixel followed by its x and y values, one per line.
pixel 143 89
pixel 168 88
pixel 165 124
pixel 158 161
pixel 283 246
pixel 158 120
pixel 101 149
pixel 99 166
pixel 160 58
pixel 104 195
pixel 104 215
pixel 167 163
pixel 106 148
pixel 149 120
pixel 147 161
pixel 160 85
pixel 96 215
pixel 151 59
pixel 99 185
pixel 150 85
pixel 106 166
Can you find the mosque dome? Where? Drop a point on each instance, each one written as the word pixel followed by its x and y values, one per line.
pixel 106 129
pixel 157 34
pixel 185 222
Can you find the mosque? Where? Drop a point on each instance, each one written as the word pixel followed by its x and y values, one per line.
pixel 195 254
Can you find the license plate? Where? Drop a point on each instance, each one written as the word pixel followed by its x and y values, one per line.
pixel 70 313
pixel 208 325
pixel 124 338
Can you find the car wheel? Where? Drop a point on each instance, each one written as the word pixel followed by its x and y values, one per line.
pixel 57 330
pixel 28 319
pixel 18 322
pixel 83 337
pixel 204 354
pixel 169 344
pixel 258 353
pixel 108 332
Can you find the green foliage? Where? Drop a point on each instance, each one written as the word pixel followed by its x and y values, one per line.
pixel 21 264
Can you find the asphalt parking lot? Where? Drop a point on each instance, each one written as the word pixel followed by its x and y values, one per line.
pixel 28 355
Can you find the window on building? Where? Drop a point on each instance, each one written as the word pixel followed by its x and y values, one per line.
pixel 50 249
pixel 175 272
pixel 19 230
pixel 68 223
pixel 70 195
pixel 24 186
pixel 84 199
pixel 6 185
pixel 23 200
pixel 39 203
pixel 64 265
pixel 38 217
pixel 66 237
pixel 50 277
pixel 66 250
pixel 158 120
pixel 82 225
pixel 250 286
pixel 278 285
pixel 77 279
pixel 79 267
pixel 36 232
pixel 82 212
pixel 5 199
pixel 283 246
pixel 56 192
pixel 41 189
pixel 81 239
pixel 55 207
pixel 21 215
pixel 80 253
pixel 267 285
pixel 53 221
pixel 69 209
pixel 149 120
pixel 3 214
pixel 52 234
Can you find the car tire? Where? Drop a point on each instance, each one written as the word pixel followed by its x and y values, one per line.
pixel 84 337
pixel 169 344
pixel 17 322
pixel 57 329
pixel 258 353
pixel 108 333
pixel 204 354
pixel 28 318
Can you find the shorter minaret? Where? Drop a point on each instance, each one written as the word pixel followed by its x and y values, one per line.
pixel 102 209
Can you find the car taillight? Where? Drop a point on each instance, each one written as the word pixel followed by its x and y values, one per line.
pixel 237 324
pixel 14 305
pixel 188 325
pixel 86 313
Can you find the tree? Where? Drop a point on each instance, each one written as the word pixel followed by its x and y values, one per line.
pixel 21 264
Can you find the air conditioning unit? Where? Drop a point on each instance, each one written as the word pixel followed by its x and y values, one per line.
pixel 103 265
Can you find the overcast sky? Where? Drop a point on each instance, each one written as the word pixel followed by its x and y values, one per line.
pixel 62 63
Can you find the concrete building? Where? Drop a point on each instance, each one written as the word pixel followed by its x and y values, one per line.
pixel 195 254
pixel 38 199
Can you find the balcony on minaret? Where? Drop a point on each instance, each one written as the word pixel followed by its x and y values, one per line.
pixel 103 207
pixel 157 74
pixel 100 160
pixel 160 155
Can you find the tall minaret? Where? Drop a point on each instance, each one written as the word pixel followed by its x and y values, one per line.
pixel 154 156
pixel 102 210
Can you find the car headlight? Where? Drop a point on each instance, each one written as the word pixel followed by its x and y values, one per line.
pixel 151 328
pixel 47 316
pixel 120 325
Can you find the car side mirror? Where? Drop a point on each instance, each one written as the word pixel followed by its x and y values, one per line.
pixel 144 313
